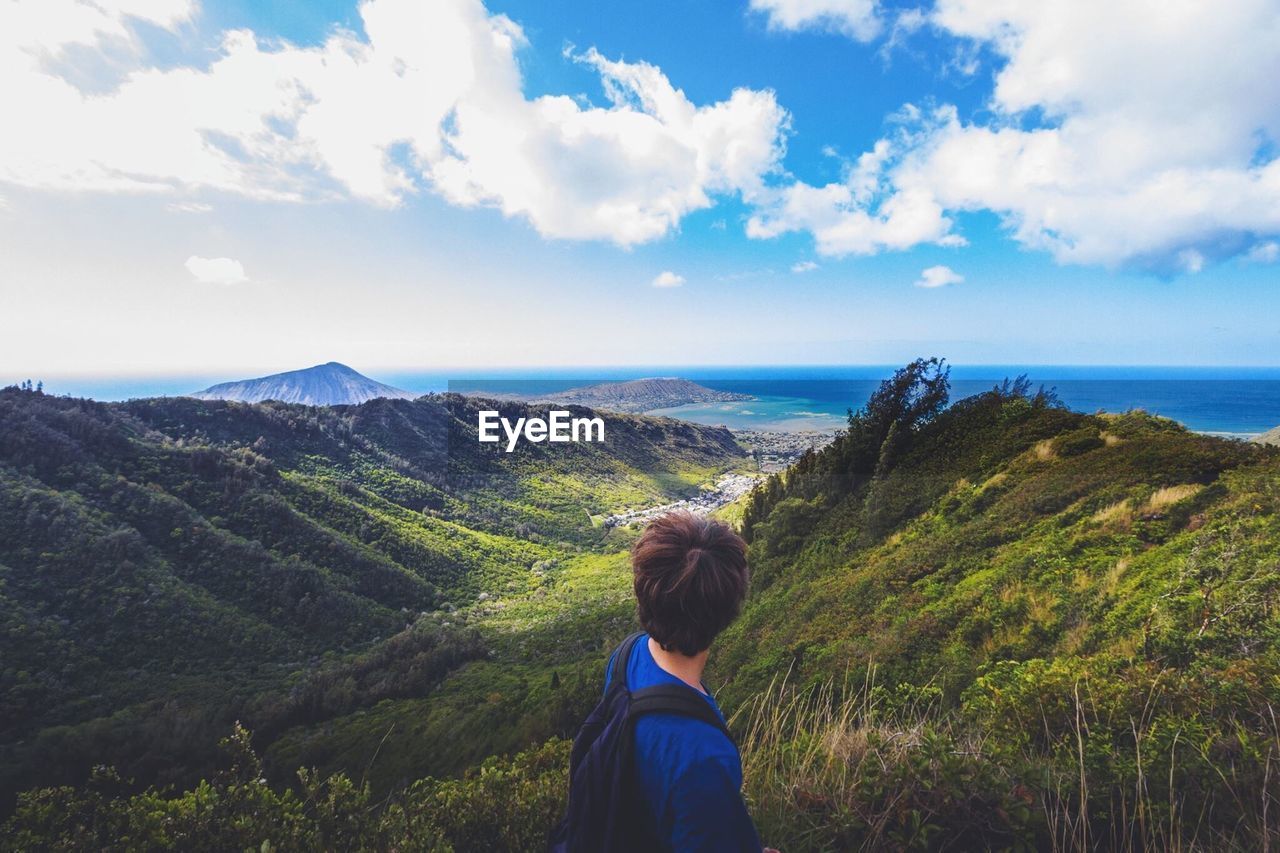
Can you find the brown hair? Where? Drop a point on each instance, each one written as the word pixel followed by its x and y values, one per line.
pixel 690 579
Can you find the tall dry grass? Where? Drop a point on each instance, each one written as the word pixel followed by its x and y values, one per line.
pixel 856 767
pixel 862 767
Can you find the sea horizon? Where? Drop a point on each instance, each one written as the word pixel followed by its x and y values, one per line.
pixel 1232 401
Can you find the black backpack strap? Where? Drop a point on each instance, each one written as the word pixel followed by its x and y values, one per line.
pixel 676 699
pixel 621 655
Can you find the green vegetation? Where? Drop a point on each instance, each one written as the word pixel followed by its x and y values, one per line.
pixel 1007 624
pixel 336 578
pixel 995 623
pixel 502 805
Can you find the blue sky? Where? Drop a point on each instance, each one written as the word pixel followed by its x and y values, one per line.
pixel 245 186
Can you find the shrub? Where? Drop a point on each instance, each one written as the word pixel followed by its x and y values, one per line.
pixel 504 805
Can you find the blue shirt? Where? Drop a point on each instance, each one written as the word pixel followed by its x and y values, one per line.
pixel 690 773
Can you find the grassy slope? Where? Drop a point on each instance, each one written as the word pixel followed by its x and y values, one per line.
pixel 1039 627
pixel 1065 534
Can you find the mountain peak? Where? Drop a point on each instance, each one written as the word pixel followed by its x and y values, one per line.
pixel 328 384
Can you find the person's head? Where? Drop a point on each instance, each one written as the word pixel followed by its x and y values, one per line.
pixel 690 579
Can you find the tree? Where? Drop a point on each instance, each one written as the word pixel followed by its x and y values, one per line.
pixel 881 430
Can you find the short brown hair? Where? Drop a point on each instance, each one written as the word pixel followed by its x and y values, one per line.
pixel 691 578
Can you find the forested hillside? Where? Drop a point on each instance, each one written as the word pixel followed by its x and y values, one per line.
pixel 168 566
pixel 984 623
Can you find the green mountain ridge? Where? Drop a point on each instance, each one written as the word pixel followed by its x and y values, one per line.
pixel 1045 628
pixel 984 624
pixel 904 555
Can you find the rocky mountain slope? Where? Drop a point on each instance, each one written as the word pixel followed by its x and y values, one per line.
pixel 330 384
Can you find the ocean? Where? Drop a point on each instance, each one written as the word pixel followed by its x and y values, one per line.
pixel 1230 402
pixel 1236 402
pixel 1232 408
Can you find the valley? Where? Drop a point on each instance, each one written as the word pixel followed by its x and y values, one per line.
pixel 729 488
pixel 990 619
pixel 172 565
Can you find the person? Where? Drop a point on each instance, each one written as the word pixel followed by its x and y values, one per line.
pixel 690 580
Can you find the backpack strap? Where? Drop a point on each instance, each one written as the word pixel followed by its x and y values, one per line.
pixel 621 656
pixel 662 698
pixel 676 699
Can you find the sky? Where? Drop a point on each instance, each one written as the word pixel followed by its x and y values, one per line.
pixel 240 187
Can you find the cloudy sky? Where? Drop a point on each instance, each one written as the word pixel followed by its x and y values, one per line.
pixel 251 185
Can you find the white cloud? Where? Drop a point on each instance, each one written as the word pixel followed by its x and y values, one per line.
pixel 1190 261
pixel 1166 172
pixel 1116 135
pixel 803 266
pixel 628 173
pixel 939 276
pixel 1264 253
pixel 432 98
pixel 188 207
pixel 843 224
pixel 51 25
pixel 854 18
pixel 667 278
pixel 905 24
pixel 216 270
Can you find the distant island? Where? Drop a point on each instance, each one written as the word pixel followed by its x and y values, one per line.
pixel 633 396
pixel 330 384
